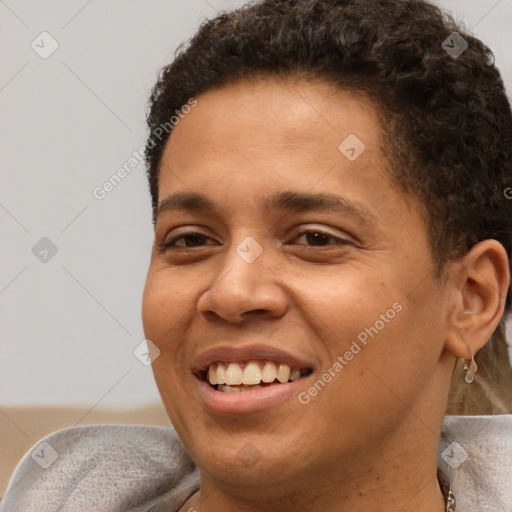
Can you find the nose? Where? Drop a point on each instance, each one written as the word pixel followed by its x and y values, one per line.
pixel 244 287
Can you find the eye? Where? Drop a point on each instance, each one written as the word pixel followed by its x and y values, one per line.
pixel 319 238
pixel 195 239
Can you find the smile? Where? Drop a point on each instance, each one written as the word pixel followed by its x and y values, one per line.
pixel 241 379
pixel 252 375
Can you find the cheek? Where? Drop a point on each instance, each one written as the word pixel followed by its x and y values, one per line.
pixel 373 383
pixel 164 303
pixel 370 323
pixel 350 301
pixel 386 366
pixel 165 321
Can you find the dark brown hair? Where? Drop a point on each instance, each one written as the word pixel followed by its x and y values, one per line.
pixel 445 118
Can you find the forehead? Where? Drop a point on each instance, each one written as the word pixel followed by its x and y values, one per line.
pixel 269 135
pixel 279 112
pixel 268 123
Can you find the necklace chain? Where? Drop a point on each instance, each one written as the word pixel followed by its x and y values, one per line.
pixel 449 497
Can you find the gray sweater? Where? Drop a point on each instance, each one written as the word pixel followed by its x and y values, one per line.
pixel 141 468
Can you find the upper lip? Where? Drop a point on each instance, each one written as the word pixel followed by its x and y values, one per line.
pixel 230 354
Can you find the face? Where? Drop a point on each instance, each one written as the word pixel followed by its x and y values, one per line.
pixel 299 253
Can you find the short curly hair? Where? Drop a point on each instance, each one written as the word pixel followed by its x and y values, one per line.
pixel 445 118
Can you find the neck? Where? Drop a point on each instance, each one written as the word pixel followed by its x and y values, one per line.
pixel 408 481
pixel 422 499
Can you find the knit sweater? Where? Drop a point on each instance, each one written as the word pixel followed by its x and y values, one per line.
pixel 142 468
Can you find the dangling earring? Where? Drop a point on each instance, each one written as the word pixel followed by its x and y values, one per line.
pixel 470 368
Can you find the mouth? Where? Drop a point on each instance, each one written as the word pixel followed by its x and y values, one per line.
pixel 244 376
pixel 245 379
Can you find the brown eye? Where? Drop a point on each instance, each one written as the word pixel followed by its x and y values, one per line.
pixel 320 239
pixel 190 240
pixel 194 239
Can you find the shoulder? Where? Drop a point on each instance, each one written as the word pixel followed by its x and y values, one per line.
pixel 102 467
pixel 475 453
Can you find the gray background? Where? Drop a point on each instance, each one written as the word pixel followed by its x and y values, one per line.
pixel 69 326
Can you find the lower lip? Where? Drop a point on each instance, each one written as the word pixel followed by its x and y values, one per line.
pixel 248 401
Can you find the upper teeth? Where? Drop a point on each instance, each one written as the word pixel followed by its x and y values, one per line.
pixel 252 374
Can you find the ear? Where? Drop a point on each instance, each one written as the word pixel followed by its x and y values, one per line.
pixel 479 282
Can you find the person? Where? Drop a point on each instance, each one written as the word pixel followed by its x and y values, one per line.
pixel 326 299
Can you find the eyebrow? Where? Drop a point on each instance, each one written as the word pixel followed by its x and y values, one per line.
pixel 286 200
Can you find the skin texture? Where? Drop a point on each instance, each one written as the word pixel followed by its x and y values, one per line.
pixel 369 439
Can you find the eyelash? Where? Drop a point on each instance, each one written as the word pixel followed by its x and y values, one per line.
pixel 170 244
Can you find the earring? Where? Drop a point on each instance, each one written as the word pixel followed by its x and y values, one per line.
pixel 470 368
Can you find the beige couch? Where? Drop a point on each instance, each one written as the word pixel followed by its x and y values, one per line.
pixel 21 427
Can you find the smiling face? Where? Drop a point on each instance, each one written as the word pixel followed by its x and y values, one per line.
pixel 299 252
